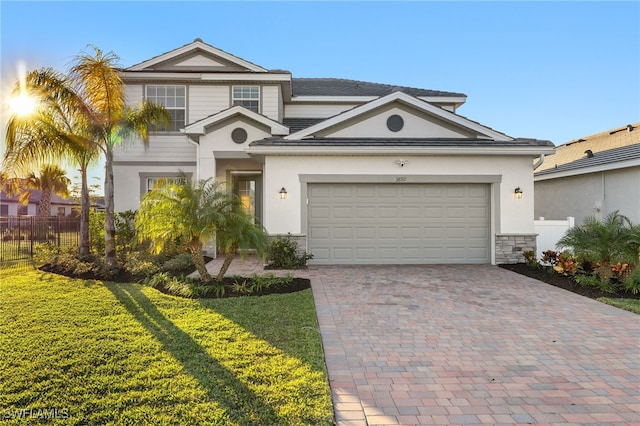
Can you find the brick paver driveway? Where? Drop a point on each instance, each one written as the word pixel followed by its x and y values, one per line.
pixel 472 345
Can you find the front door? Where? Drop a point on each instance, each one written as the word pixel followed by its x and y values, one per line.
pixel 248 187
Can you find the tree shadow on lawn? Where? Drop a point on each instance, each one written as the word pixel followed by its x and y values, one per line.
pixel 286 329
pixel 221 385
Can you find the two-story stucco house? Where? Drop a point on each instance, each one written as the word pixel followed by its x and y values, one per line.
pixel 359 172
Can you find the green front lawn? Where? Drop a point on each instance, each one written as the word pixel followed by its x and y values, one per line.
pixel 106 353
pixel 632 305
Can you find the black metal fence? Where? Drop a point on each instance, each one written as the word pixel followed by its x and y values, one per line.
pixel 20 235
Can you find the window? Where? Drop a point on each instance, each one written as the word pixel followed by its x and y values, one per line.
pixel 23 210
pixel 4 210
pixel 174 100
pixel 247 96
pixel 61 211
pixel 161 182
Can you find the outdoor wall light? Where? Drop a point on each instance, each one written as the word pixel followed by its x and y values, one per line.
pixel 283 193
pixel 518 192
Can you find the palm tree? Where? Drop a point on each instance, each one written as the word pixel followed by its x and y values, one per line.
pixel 614 239
pixel 87 112
pixel 96 81
pixel 57 131
pixel 193 214
pixel 238 232
pixel 50 180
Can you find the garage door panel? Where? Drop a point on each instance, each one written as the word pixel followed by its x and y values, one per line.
pixel 365 253
pixel 366 192
pixel 319 232
pixel 388 212
pixel 343 212
pixel 399 223
pixel 365 232
pixel 365 212
pixel 433 212
pixel 456 212
pixel 342 233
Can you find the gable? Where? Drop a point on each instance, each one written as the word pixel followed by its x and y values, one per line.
pixel 197 56
pixel 199 60
pixel 396 120
pixel 424 120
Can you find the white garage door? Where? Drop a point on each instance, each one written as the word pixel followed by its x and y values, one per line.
pixel 399 223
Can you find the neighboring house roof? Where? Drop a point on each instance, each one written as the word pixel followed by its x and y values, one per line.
pixel 35 198
pixel 607 150
pixel 343 87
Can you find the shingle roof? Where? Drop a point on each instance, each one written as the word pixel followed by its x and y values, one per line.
pixel 610 156
pixel 607 147
pixel 297 124
pixel 36 194
pixel 421 142
pixel 343 87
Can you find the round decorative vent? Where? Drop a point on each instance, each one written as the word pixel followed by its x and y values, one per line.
pixel 395 123
pixel 239 135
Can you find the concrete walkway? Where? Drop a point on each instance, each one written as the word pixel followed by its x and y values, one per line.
pixel 449 345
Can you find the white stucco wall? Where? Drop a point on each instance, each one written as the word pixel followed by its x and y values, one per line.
pixel 510 215
pixel 592 194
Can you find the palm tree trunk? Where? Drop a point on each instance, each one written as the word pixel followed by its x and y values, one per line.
pixel 44 211
pixel 44 206
pixel 195 248
pixel 228 258
pixel 110 258
pixel 85 206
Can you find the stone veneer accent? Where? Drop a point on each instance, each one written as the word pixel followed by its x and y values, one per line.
pixel 301 239
pixel 510 247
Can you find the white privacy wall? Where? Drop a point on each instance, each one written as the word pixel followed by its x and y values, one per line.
pixel 510 215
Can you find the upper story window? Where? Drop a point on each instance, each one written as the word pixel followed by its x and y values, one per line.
pixel 247 96
pixel 162 181
pixel 174 99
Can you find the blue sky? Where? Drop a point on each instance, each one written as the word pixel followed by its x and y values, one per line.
pixel 545 70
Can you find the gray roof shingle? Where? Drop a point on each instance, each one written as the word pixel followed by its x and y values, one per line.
pixel 610 156
pixel 344 87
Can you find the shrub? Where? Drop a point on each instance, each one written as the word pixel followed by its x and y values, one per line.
pixel 180 264
pixel 282 253
pixel 125 231
pixel 141 264
pixel 550 257
pixel 632 283
pixel 593 280
pixel 96 232
pixel 530 258
pixel 614 239
pixel 566 264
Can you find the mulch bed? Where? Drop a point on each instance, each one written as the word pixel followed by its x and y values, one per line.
pixel 124 276
pixel 549 276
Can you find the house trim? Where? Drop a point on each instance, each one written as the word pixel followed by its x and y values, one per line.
pixel 203 76
pixel 155 163
pixel 394 149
